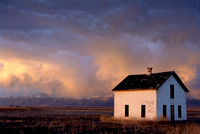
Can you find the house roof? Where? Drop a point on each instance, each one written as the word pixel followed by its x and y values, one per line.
pixel 143 81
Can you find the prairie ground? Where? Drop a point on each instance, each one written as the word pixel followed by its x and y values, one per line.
pixel 87 120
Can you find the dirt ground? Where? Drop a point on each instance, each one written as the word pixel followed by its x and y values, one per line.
pixel 86 120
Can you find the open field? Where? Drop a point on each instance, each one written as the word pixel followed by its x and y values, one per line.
pixel 86 120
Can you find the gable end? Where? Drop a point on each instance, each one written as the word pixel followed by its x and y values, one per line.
pixel 178 80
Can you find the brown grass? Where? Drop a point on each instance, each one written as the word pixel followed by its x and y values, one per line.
pixel 96 120
pixel 161 126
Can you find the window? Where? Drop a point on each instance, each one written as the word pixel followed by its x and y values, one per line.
pixel 179 111
pixel 126 110
pixel 143 111
pixel 164 110
pixel 172 91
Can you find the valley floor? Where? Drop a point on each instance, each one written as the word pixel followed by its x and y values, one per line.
pixel 86 120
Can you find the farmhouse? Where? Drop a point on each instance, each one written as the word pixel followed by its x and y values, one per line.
pixel 151 96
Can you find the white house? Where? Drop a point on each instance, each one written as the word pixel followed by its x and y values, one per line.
pixel 151 96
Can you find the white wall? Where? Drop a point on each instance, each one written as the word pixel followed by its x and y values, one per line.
pixel 135 99
pixel 163 98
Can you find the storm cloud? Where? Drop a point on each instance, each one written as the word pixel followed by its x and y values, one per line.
pixel 84 48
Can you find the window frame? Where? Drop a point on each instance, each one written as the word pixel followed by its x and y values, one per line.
pixel 126 110
pixel 171 91
pixel 179 111
pixel 143 111
pixel 164 111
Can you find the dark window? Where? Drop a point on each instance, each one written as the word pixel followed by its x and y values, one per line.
pixel 126 110
pixel 143 111
pixel 164 110
pixel 179 111
pixel 172 91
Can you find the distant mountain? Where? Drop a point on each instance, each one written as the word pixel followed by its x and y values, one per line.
pixel 193 102
pixel 45 100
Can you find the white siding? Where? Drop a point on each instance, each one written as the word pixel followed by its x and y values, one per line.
pixel 163 98
pixel 135 99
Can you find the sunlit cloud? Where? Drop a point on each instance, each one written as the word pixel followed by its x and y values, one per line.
pixel 74 49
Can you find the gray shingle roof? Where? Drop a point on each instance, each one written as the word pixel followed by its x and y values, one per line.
pixel 143 81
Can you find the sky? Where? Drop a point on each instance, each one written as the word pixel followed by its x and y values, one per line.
pixel 84 48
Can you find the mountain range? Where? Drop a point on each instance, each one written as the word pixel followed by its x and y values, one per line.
pixel 45 100
pixel 49 101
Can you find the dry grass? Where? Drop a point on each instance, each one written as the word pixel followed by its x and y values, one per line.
pixel 161 127
pixel 97 120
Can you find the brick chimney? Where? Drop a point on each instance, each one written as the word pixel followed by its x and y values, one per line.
pixel 149 70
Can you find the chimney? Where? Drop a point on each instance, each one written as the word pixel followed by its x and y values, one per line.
pixel 149 70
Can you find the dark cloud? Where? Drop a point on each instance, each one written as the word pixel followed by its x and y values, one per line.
pixel 84 48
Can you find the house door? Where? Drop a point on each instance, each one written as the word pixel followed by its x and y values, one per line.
pixel 172 112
